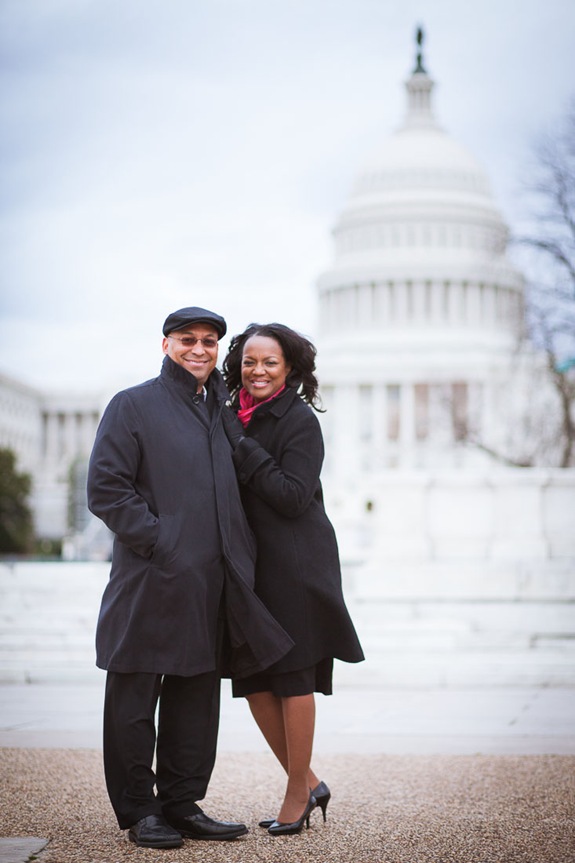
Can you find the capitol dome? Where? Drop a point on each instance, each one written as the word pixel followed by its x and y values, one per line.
pixel 421 213
pixel 420 312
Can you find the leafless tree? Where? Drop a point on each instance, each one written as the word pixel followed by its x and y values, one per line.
pixel 550 295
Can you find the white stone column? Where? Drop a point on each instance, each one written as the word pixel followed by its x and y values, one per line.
pixel 436 311
pixel 440 429
pixel 51 436
pixel 70 436
pixel 473 305
pixel 350 309
pixel 384 307
pixel 364 306
pixel 490 309
pixel 419 315
pixel 401 303
pixel 379 426
pixel 407 424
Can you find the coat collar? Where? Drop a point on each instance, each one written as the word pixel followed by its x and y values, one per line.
pixel 173 373
pixel 279 406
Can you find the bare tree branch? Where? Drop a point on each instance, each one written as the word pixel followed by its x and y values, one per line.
pixel 550 300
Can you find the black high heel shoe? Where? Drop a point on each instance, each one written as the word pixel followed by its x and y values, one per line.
pixel 279 829
pixel 322 796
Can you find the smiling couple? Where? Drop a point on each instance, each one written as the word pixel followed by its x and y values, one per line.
pixel 225 564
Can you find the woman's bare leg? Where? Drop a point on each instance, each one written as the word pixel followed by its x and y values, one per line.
pixel 267 711
pixel 299 724
pixel 270 714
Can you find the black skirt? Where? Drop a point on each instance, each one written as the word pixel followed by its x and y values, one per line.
pixel 316 678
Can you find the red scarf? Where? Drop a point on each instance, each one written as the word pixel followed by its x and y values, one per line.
pixel 248 404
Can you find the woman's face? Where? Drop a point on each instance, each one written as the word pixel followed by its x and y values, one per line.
pixel 264 369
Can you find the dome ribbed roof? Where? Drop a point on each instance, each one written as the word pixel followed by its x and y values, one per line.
pixel 420 203
pixel 420 159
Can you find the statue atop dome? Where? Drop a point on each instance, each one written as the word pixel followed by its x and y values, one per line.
pixel 419 67
pixel 419 87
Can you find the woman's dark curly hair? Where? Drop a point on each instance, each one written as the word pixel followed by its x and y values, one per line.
pixel 298 352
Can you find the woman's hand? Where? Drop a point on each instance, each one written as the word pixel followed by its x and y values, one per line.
pixel 232 426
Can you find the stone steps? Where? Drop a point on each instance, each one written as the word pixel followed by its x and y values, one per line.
pixel 48 615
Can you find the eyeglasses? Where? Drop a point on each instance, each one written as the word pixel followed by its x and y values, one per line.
pixel 210 343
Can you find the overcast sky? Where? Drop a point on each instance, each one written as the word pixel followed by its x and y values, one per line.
pixel 163 153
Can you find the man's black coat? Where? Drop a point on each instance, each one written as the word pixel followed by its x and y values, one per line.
pixel 161 477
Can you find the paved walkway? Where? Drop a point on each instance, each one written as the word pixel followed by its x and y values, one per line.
pixel 512 721
pixel 378 746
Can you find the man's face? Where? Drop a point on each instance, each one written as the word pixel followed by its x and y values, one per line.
pixel 195 348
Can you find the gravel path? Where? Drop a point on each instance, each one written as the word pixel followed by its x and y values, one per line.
pixel 384 809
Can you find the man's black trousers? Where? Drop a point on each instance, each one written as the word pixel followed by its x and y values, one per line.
pixel 185 743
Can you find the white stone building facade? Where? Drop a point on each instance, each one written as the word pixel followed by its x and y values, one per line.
pixel 421 369
pixel 52 435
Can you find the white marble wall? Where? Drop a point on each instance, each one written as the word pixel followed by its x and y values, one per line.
pixel 511 515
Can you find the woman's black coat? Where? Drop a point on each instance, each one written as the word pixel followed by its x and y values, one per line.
pixel 161 477
pixel 298 573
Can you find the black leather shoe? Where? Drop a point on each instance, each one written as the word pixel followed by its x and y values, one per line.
pixel 279 828
pixel 322 796
pixel 153 831
pixel 266 822
pixel 201 826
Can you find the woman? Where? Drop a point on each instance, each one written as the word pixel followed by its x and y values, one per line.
pixel 278 454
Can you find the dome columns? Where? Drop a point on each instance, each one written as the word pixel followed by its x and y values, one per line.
pixel 463 305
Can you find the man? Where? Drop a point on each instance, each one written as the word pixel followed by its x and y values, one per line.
pixel 161 478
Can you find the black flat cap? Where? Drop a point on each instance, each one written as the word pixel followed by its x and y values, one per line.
pixel 194 315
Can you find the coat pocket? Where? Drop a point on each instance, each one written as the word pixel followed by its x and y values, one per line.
pixel 165 550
